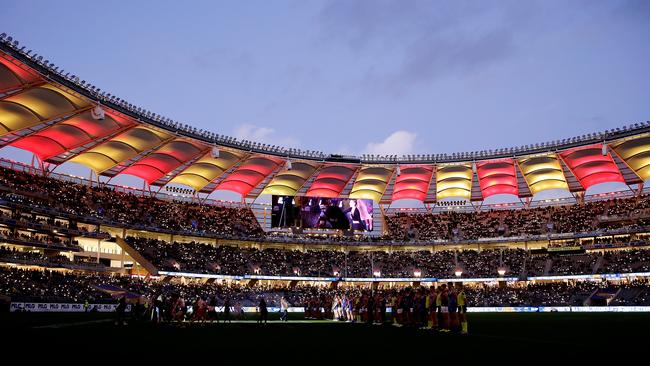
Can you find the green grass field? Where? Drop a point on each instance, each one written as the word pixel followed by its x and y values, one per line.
pixel 542 335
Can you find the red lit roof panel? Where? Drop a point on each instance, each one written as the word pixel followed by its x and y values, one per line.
pixel 162 161
pixel 68 134
pixel 412 183
pixel 590 166
pixel 250 174
pixel 497 177
pixel 331 181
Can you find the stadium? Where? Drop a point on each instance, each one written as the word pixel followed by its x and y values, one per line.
pixel 318 241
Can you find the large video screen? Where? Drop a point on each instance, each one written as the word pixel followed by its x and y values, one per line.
pixel 321 213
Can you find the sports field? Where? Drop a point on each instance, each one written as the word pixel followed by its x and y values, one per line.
pixel 536 335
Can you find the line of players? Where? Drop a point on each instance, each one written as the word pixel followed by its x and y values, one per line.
pixel 443 308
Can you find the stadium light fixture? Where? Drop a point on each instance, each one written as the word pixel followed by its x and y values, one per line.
pixel 501 272
pixel 458 272
pixel 376 273
pixel 417 273
pixel 97 113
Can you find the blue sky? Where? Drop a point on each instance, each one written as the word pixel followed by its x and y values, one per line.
pixel 359 76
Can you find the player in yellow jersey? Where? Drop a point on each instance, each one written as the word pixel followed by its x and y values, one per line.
pixel 462 309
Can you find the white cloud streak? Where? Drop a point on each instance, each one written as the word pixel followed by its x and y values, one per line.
pixel 263 134
pixel 399 143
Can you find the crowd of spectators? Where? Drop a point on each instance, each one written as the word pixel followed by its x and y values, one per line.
pixel 631 213
pixel 52 286
pixel 539 294
pixel 233 260
pixel 207 258
pixel 625 261
pixel 107 204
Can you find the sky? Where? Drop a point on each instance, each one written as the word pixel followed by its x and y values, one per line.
pixel 358 76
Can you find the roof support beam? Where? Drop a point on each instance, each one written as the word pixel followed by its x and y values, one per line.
pixel 9 92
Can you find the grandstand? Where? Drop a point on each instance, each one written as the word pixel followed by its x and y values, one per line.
pixel 78 244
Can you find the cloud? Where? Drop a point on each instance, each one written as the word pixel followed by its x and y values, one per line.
pixel 422 40
pixel 399 143
pixel 636 10
pixel 263 134
pixel 424 60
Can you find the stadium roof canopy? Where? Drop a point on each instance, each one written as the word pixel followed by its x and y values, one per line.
pixel 60 118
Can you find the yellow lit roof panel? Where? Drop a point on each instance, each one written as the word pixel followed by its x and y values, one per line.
pixel 543 173
pixel 206 169
pixel 454 171
pixel 367 194
pixel 121 148
pixel 14 117
pixel 371 182
pixel 288 182
pixel 453 193
pixel 76 101
pixel 142 138
pixel 454 181
pixel 636 154
pixel 95 161
pixel 44 102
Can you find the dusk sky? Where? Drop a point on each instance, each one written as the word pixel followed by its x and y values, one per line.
pixel 356 76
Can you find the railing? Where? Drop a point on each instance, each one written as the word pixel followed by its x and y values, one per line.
pixel 25 224
pixel 631 217
pixel 97 267
pixel 40 244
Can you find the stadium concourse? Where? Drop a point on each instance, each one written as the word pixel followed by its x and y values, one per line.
pixel 330 246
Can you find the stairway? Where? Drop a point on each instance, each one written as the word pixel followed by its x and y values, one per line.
pixel 144 263
pixel 599 262
pixel 548 266
pixel 524 272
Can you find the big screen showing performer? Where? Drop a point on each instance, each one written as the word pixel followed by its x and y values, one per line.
pixel 285 211
pixel 322 213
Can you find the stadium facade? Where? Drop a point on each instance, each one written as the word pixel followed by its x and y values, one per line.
pixel 60 118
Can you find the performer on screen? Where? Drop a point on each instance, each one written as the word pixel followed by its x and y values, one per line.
pixel 331 216
pixel 355 216
pixel 366 213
